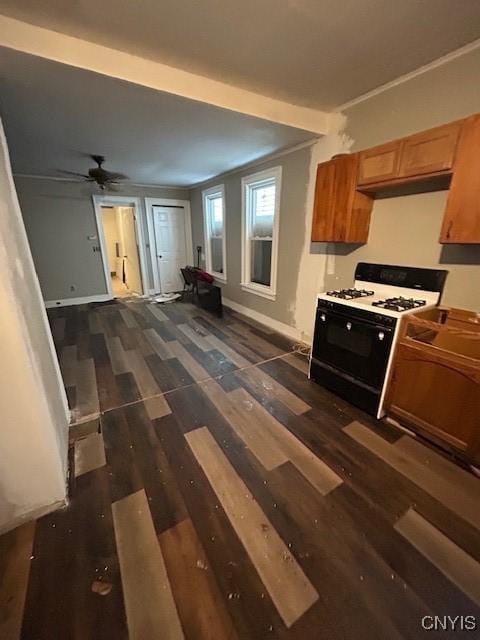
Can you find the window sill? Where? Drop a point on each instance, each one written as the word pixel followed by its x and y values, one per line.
pixel 219 279
pixel 263 292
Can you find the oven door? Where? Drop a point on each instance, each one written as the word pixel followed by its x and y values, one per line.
pixel 357 348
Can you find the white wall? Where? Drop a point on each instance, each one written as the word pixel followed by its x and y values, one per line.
pixel 33 407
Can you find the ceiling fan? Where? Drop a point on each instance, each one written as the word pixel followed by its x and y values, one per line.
pixel 104 179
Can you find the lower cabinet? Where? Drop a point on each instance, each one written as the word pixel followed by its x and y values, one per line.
pixel 438 394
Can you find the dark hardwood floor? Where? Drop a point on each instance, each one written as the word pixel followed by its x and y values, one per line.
pixel 217 493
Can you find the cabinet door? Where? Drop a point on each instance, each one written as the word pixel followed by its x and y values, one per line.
pixel 379 163
pixel 436 394
pixel 345 183
pixel 430 151
pixel 341 213
pixel 461 221
pixel 322 224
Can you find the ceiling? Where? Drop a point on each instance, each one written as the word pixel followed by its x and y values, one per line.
pixel 317 53
pixel 55 115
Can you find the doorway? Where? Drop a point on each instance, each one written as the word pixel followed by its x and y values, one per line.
pixel 122 250
pixel 120 239
pixel 171 245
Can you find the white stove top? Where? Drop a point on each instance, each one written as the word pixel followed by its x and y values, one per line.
pixel 381 292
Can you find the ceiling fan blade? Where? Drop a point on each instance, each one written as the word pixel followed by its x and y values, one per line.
pixel 73 173
pixel 117 176
pixel 112 186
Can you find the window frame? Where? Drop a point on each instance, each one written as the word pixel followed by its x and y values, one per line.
pixel 248 184
pixel 207 194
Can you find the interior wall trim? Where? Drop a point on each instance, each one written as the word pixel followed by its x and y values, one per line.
pixel 271 323
pixel 67 302
pixel 471 46
pixel 255 163
pixel 122 201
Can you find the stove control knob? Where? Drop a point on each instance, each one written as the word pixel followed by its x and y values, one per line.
pixel 349 325
pixel 323 317
pixel 381 335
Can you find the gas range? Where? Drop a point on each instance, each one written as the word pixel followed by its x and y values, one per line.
pixel 356 328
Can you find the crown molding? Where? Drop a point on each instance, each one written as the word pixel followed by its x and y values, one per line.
pixel 146 185
pixel 255 163
pixel 412 74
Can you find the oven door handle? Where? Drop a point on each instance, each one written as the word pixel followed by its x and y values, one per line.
pixel 323 316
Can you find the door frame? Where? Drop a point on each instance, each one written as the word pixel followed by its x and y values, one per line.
pixel 166 202
pixel 121 201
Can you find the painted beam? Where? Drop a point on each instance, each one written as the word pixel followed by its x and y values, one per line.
pixel 59 47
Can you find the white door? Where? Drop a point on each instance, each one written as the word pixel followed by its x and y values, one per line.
pixel 133 277
pixel 171 246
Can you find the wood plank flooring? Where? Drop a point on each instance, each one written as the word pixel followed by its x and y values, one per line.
pixel 221 495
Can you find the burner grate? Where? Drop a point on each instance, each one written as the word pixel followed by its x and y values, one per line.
pixel 399 304
pixel 349 294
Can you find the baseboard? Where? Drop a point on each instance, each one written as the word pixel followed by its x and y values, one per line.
pixel 66 302
pixel 34 514
pixel 271 323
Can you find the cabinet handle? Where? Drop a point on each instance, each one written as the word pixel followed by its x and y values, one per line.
pixel 449 228
pixel 381 335
pixel 323 317
pixel 349 325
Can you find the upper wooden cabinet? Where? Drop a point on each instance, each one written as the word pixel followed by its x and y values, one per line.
pixel 379 163
pixel 461 222
pixel 341 213
pixel 440 158
pixel 322 224
pixel 430 151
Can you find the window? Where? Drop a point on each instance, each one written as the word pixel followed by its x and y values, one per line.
pixel 260 204
pixel 214 226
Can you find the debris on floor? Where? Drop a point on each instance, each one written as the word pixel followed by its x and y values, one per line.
pixel 167 297
pixel 102 588
pixel 201 564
